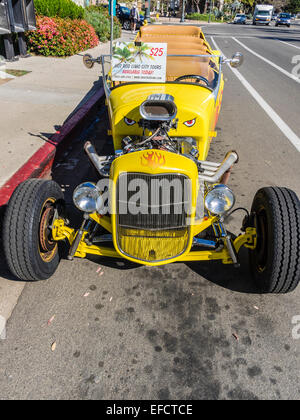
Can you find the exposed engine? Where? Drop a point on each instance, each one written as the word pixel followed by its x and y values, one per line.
pixel 158 114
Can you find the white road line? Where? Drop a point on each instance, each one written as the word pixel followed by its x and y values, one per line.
pixel 290 75
pixel 287 43
pixel 283 127
pixel 230 36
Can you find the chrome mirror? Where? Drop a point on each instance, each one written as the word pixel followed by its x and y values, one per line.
pixel 88 61
pixel 237 60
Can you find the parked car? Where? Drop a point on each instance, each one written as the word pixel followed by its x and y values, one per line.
pixel 283 19
pixel 240 18
pixel 157 199
pixel 123 14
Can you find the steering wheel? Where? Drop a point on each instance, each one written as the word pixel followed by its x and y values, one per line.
pixel 193 76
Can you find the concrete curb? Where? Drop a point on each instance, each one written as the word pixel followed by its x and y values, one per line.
pixel 39 166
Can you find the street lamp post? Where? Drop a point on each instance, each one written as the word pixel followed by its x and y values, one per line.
pixel 182 12
pixel 147 11
pixel 112 12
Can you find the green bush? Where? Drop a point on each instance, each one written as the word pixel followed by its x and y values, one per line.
pixel 99 18
pixel 58 8
pixel 200 16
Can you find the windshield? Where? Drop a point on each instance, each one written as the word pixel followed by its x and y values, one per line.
pixel 264 12
pixel 205 71
pixel 285 15
pixel 125 9
pixel 240 16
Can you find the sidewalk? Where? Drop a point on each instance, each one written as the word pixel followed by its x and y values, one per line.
pixel 35 105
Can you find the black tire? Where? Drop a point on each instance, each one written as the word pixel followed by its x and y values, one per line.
pixel 127 25
pixel 288 26
pixel 30 253
pixel 276 24
pixel 275 262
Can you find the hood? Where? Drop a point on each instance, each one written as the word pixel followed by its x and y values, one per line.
pixel 195 106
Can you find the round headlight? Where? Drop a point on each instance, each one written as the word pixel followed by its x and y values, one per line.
pixel 87 197
pixel 219 199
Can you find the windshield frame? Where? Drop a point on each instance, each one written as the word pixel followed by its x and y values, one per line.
pixel 214 90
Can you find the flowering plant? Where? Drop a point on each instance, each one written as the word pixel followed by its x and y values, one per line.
pixel 61 37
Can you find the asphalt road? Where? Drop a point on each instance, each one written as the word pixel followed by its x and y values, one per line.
pixel 178 331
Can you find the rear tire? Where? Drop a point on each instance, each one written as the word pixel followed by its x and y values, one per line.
pixel 29 249
pixel 127 25
pixel 275 262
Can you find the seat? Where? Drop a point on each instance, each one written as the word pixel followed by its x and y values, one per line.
pixel 182 66
pixel 186 40
pixel 198 50
pixel 169 38
pixel 193 31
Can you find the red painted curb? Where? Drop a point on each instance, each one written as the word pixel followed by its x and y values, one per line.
pixel 39 165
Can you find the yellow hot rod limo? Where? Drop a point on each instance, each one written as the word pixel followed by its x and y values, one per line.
pixel 158 199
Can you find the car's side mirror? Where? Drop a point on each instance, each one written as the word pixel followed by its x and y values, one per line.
pixel 88 61
pixel 237 60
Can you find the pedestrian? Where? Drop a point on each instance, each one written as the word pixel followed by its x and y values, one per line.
pixel 134 17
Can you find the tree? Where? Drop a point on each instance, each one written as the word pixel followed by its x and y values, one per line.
pixel 293 6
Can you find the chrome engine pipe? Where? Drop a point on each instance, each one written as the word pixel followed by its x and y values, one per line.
pixel 231 158
pixel 97 161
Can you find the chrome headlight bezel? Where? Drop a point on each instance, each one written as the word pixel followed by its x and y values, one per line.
pixel 219 193
pixel 87 197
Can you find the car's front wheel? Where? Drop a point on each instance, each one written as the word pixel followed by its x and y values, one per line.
pixel 275 262
pixel 127 25
pixel 30 251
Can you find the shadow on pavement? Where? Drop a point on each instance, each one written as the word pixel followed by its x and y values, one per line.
pixel 226 275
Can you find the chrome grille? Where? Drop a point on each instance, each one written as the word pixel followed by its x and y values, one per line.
pixel 159 207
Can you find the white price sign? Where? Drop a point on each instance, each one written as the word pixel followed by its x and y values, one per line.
pixel 139 62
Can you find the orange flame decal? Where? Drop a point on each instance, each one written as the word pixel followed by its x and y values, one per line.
pixel 153 159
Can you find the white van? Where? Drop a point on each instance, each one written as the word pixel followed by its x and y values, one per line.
pixel 262 14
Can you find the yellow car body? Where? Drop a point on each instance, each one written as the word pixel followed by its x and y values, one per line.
pixel 195 102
